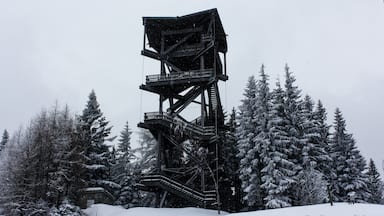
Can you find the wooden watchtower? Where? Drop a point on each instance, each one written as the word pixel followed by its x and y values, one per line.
pixel 191 50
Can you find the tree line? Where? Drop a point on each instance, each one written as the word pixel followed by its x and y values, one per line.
pixel 278 151
pixel 46 166
pixel 289 155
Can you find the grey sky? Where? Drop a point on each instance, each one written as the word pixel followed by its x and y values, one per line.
pixel 60 50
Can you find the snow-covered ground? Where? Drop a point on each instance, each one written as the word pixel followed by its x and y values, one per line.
pixel 339 209
pixel 106 210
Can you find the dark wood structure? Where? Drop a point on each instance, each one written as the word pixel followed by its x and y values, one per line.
pixel 191 50
pixel 94 195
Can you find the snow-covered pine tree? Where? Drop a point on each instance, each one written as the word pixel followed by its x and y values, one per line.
pixel 12 179
pixel 128 195
pixel 311 187
pixel 278 173
pixel 246 133
pixel 76 159
pixel 229 180
pixel 95 132
pixel 294 127
pixel 312 152
pixel 262 107
pixel 375 185
pixel 294 118
pixel 4 140
pixel 325 167
pixel 320 117
pixel 147 159
pixel 37 169
pixel 350 181
pixel 61 125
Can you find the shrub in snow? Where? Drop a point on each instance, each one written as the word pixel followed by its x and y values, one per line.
pixel 66 208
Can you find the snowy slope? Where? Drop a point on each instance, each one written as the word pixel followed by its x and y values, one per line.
pixel 339 209
pixel 106 210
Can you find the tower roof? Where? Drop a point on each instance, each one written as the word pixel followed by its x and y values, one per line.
pixel 154 27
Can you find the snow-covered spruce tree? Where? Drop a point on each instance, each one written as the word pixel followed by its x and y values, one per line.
pixel 350 181
pixel 4 140
pixel 325 167
pixel 229 179
pixel 146 162
pixel 320 117
pixel 128 195
pixel 375 185
pixel 311 187
pixel 262 107
pixel 95 132
pixel 278 172
pixel 314 151
pixel 246 133
pixel 76 159
pixel 294 128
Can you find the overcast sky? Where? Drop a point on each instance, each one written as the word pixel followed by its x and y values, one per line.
pixel 61 50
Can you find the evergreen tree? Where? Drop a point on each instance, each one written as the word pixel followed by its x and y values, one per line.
pixel 262 107
pixel 4 140
pixel 94 134
pixel 278 173
pixel 229 178
pixel 128 195
pixel 325 167
pixel 295 130
pixel 146 162
pixel 246 133
pixel 350 183
pixel 36 166
pixel 375 185
pixel 320 117
pixel 294 119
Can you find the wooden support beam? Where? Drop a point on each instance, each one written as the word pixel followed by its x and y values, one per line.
pixel 173 66
pixel 187 99
pixel 177 44
pixel 182 31
pixel 151 54
pixel 195 94
pixel 210 45
pixel 163 199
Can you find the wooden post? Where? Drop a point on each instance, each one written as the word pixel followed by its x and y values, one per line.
pixel 202 67
pixel 225 64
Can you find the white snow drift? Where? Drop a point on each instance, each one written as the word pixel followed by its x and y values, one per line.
pixel 339 209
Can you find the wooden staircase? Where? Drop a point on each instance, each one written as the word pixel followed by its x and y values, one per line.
pixel 201 198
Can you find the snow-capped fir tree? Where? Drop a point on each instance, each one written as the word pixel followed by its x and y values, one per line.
pixel 4 140
pixel 229 180
pixel 320 117
pixel 325 167
pixel 350 182
pixel 294 127
pixel 311 187
pixel 124 170
pixel 146 152
pixel 278 172
pixel 246 133
pixel 262 107
pixel 95 132
pixel 146 162
pixel 375 185
pixel 294 118
pixel 312 152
